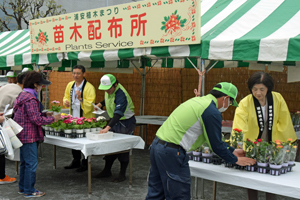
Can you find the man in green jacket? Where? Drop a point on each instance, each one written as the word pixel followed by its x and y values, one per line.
pixel 192 123
pixel 120 109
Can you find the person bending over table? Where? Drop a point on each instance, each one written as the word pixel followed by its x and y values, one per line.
pixel 120 109
pixel 265 106
pixel 79 96
pixel 192 123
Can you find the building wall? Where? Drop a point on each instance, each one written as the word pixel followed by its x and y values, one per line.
pixel 167 88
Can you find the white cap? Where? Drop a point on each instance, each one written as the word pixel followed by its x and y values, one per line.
pixel 26 69
pixel 11 74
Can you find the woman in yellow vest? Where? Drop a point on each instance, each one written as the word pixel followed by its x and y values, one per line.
pixel 263 114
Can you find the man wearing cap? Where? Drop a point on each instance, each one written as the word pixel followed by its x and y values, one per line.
pixel 79 96
pixel 11 77
pixel 120 109
pixel 192 123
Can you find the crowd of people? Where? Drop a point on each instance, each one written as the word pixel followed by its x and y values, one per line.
pixel 192 123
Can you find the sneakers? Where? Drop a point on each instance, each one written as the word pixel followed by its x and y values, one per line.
pixel 7 180
pixel 35 194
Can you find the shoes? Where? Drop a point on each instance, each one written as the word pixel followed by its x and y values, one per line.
pixel 21 192
pixel 120 178
pixel 82 168
pixel 35 194
pixel 104 174
pixel 74 164
pixel 7 180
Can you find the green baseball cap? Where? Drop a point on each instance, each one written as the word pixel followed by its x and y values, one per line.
pixel 228 89
pixel 107 81
pixel 11 74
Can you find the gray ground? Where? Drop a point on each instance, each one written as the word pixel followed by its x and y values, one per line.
pixel 68 184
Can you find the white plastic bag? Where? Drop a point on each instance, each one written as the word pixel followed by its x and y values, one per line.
pixel 3 149
pixel 14 126
pixel 10 151
pixel 15 142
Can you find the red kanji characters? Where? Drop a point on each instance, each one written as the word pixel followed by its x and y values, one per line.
pixel 58 34
pixel 92 31
pixel 75 32
pixel 114 25
pixel 137 23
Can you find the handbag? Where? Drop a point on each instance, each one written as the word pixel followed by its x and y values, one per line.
pixel 10 151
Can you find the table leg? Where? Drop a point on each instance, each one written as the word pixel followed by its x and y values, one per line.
pixel 130 168
pixel 90 175
pixel 214 190
pixel 54 156
pixel 146 134
pixel 202 189
pixel 17 167
pixel 196 188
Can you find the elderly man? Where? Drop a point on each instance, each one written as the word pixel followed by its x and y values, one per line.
pixel 11 77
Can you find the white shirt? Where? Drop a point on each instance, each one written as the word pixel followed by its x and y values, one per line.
pixel 75 101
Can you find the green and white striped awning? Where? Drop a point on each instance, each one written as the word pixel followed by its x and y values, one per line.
pixel 250 30
pixel 15 50
pixel 232 30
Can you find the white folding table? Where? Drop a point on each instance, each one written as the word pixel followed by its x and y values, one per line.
pixel 118 144
pixel 284 184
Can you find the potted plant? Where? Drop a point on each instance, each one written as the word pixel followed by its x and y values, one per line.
pixel 100 123
pixel 67 126
pixel 262 155
pixel 93 124
pixel 79 128
pixel 55 107
pixel 197 154
pixel 276 158
pixel 250 153
pixel 87 125
pixel 47 129
pixel 237 138
pixel 56 127
pixel 206 153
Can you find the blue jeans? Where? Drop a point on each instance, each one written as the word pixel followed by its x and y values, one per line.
pixel 169 176
pixel 29 161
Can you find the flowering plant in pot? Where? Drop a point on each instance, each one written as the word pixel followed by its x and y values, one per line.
pixel 57 127
pixel 55 107
pixel 196 154
pixel 237 139
pixel 278 152
pixel 262 154
pixel 250 153
pixel 100 122
pixel 87 125
pixel 93 124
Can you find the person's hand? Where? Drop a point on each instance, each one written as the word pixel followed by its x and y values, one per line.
pixel 67 103
pixel 78 93
pixel 105 130
pixel 57 117
pixel 49 114
pixel 244 161
pixel 1 118
pixel 1 114
pixel 239 153
pixel 99 105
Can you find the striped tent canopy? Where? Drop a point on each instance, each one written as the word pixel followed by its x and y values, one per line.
pixel 15 50
pixel 243 31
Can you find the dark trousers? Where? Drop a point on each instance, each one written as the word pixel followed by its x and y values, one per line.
pixel 77 156
pixel 126 127
pixel 2 166
pixel 253 195
pixel 169 176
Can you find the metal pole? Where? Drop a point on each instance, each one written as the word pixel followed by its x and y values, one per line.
pixel 201 66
